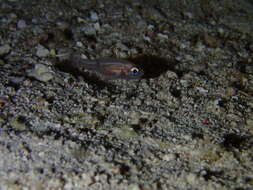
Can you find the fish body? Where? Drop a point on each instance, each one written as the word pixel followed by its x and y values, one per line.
pixel 109 68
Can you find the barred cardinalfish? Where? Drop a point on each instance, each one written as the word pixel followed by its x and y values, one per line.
pixel 108 68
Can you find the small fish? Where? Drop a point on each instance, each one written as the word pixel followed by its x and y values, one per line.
pixel 109 68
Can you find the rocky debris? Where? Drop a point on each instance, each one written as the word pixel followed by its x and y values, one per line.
pixel 4 49
pixel 41 72
pixel 42 51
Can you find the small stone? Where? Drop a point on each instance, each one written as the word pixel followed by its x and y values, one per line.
pixel 86 178
pixel 4 101
pixel 250 104
pixel 89 30
pixel 1 62
pixel 211 41
pixel 184 83
pixel 79 44
pixel 199 67
pixel 199 47
pixel 169 157
pixel 191 178
pixel 188 15
pixel 96 26
pixel 135 118
pixel 251 47
pixel 202 90
pixel 137 102
pixel 62 25
pixel 162 36
pixel 221 31
pixel 249 69
pixel 122 46
pixel 52 52
pixel 5 49
pixel 42 51
pixel 83 56
pixel 18 123
pixel 146 38
pixel 230 91
pixel 141 24
pixel 134 187
pixel 21 24
pixel 249 122
pixel 93 16
pixel 13 16
pixel 151 27
pixel 125 132
pixel 41 73
pixel 81 20
pixel 171 75
pixel 188 57
pixel 15 81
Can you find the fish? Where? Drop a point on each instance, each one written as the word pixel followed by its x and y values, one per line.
pixel 107 68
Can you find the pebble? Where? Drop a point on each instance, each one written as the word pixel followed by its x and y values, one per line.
pixel 93 16
pixel 41 73
pixel 15 81
pixel 89 30
pixel 125 132
pixel 188 15
pixel 230 91
pixel 169 157
pixel 249 122
pixel 42 51
pixel 4 101
pixel 162 36
pixel 171 75
pixel 134 187
pixel 249 69
pixel 146 38
pixel 211 41
pixel 96 26
pixel 199 47
pixel 21 24
pixel 202 90
pixel 62 25
pixel 191 178
pixel 135 118
pixel 18 123
pixel 1 62
pixel 79 44
pixel 4 49
pixel 198 67
pixel 188 57
pixel 251 47
pixel 184 83
pixel 221 31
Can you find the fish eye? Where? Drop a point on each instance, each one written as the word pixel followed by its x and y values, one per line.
pixel 135 71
